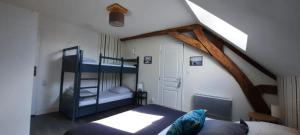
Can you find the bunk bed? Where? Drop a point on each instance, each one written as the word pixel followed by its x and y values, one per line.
pixel 78 101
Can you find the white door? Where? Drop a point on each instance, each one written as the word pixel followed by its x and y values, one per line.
pixel 34 91
pixel 170 80
pixel 35 79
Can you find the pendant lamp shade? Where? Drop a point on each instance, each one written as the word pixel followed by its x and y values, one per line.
pixel 116 15
pixel 116 19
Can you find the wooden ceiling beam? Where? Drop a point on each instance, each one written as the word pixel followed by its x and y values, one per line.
pixel 267 89
pixel 188 40
pixel 187 28
pixel 214 47
pixel 220 43
pixel 252 93
pixel 251 61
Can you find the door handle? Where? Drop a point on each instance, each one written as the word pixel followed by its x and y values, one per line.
pixel 178 82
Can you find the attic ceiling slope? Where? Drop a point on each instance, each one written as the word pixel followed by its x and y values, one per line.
pixel 143 15
pixel 272 27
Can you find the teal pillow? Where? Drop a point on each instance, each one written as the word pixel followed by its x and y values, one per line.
pixel 188 124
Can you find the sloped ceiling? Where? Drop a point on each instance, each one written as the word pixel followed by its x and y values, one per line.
pixel 272 25
pixel 273 28
pixel 143 16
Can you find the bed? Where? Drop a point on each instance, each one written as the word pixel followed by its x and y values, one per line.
pixel 158 119
pixel 81 102
pixel 107 100
pixel 169 115
pixel 95 63
pixel 108 64
pixel 104 97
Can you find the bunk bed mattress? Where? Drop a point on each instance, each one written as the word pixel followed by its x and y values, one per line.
pixel 105 97
pixel 110 65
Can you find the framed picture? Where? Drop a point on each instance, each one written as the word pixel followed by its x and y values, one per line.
pixel 148 60
pixel 196 61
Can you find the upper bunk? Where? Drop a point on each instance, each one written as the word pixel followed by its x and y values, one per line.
pixel 76 62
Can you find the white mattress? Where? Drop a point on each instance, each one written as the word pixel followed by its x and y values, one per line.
pixel 105 97
pixel 264 128
pixel 259 128
pixel 107 64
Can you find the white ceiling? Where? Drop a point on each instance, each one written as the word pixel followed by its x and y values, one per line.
pixel 144 15
pixel 272 25
pixel 273 28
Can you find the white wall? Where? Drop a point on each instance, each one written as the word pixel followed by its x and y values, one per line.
pixel 211 78
pixel 148 73
pixel 18 39
pixel 54 36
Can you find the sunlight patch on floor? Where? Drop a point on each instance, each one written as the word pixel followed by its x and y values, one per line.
pixel 129 121
pixel 217 25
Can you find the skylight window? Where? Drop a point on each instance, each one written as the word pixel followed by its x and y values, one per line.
pixel 130 121
pixel 225 30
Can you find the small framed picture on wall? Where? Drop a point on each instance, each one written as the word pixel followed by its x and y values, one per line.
pixel 148 60
pixel 196 61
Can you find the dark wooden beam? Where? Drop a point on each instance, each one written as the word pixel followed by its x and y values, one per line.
pixel 252 93
pixel 215 48
pixel 187 28
pixel 267 89
pixel 188 40
pixel 220 42
pixel 252 62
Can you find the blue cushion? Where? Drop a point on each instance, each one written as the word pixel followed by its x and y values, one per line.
pixel 190 123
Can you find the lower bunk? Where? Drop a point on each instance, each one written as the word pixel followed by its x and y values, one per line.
pixel 88 104
pixel 91 109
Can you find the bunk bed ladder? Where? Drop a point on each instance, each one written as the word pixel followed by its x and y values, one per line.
pixel 87 79
pixel 79 88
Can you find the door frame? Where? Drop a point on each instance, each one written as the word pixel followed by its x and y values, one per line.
pixel 182 74
pixel 34 98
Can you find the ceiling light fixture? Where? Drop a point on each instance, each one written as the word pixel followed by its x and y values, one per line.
pixel 116 15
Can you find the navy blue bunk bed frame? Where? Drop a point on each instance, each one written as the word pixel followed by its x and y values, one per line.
pixel 73 64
